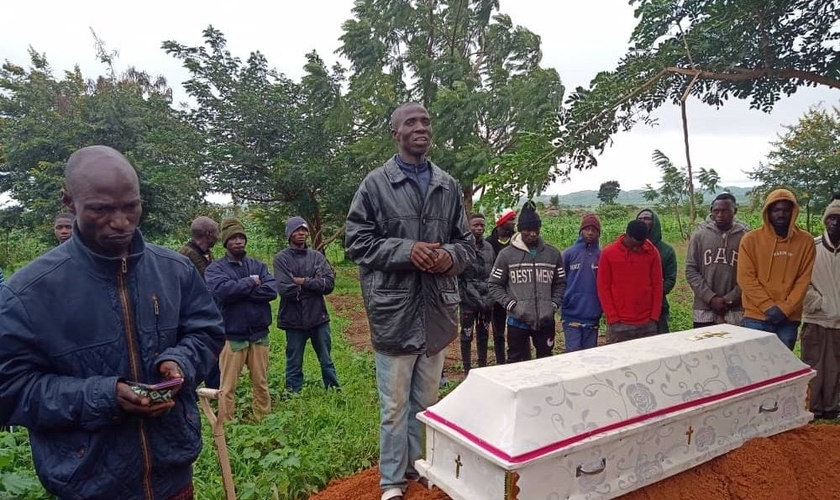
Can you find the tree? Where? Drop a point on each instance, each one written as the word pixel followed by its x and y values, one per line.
pixel 709 49
pixel 608 192
pixel 478 74
pixel 44 119
pixel 554 201
pixel 805 159
pixel 270 140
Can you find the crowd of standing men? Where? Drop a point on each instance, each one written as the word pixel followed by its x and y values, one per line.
pixel 138 312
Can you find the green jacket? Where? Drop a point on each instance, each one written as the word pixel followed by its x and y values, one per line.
pixel 668 257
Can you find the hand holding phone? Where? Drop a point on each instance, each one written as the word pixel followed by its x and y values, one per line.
pixel 134 397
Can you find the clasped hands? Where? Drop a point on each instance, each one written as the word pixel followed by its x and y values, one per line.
pixel 430 257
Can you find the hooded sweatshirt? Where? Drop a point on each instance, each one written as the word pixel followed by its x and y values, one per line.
pixel 580 301
pixel 822 301
pixel 772 270
pixel 668 256
pixel 630 283
pixel 712 262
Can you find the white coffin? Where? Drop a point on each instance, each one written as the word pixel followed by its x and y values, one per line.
pixel 600 423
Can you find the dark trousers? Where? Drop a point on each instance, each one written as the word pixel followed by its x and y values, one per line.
pixel 703 324
pixel 519 347
pixel 622 332
pixel 474 323
pixel 821 350
pixel 499 324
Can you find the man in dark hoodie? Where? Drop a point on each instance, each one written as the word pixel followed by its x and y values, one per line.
pixel 581 310
pixel 243 288
pixel 304 277
pixel 528 280
pixel 476 304
pixel 774 269
pixel 669 264
pixel 711 266
pixel 407 231
pixel 500 238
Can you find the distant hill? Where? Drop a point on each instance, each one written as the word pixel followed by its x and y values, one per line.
pixel 589 198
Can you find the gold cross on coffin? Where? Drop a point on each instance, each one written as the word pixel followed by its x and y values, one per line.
pixel 689 433
pixel 458 465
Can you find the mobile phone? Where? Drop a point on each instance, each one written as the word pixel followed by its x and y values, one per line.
pixel 157 393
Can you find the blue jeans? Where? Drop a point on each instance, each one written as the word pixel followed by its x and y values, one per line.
pixel 580 335
pixel 407 385
pixel 786 331
pixel 296 344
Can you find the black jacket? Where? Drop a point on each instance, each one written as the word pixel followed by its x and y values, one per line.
pixel 302 307
pixel 473 281
pixel 409 311
pixel 244 305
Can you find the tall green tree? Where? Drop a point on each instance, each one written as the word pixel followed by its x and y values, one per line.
pixel 608 192
pixel 805 159
pixel 712 50
pixel 271 141
pixel 493 106
pixel 43 119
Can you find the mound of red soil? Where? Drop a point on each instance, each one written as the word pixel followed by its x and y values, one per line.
pixel 802 464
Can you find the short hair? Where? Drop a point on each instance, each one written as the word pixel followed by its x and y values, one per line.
pixel 64 216
pixel 725 196
pixel 400 109
pixel 476 215
pixel 637 230
pixel 202 225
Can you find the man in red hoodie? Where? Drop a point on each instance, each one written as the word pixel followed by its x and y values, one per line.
pixel 630 285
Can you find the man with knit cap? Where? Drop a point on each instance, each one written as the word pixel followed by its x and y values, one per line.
pixel 304 277
pixel 669 264
pixel 243 288
pixel 711 265
pixel 820 341
pixel 774 269
pixel 407 231
pixel 581 310
pixel 500 238
pixel 630 285
pixel 528 280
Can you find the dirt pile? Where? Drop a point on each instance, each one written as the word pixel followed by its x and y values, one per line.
pixel 803 464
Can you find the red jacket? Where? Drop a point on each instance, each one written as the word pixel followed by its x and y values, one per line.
pixel 630 283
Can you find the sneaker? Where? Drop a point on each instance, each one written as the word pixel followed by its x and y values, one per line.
pixel 443 382
pixel 392 494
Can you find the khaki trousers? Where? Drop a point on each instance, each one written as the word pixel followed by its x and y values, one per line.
pixel 231 363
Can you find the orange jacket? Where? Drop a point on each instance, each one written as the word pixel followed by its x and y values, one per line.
pixel 775 271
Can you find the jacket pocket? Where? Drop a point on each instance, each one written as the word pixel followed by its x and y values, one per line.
pixel 176 436
pixel 390 316
pixel 65 460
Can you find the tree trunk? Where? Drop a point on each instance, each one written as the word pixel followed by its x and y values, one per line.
pixel 692 209
pixel 468 192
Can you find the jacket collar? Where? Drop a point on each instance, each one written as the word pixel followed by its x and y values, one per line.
pixel 396 175
pixel 101 265
pixel 826 241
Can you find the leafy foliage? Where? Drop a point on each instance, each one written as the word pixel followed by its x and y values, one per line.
pixel 608 192
pixel 805 159
pixel 714 50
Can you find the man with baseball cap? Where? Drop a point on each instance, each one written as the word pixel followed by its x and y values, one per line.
pixel 500 238
pixel 304 277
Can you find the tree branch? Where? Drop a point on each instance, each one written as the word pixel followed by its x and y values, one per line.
pixel 743 74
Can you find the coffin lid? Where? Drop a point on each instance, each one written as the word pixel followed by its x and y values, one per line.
pixel 523 411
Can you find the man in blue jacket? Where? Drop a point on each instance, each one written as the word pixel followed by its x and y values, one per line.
pixel 135 312
pixel 243 288
pixel 581 311
pixel 304 277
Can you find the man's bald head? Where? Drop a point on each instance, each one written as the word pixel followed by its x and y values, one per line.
pixel 202 225
pixel 96 161
pixel 402 109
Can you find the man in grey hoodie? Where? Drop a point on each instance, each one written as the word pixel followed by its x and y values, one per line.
pixel 711 267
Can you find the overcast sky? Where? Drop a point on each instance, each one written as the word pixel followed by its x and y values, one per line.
pixel 578 39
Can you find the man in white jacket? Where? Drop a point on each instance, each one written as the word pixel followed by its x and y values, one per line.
pixel 820 339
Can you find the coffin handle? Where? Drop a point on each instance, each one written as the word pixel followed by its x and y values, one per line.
pixel 768 409
pixel 589 470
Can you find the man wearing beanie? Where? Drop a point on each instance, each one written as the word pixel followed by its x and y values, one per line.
pixel 500 238
pixel 528 280
pixel 711 265
pixel 774 269
pixel 243 288
pixel 303 279
pixel 630 285
pixel 821 318
pixel 407 231
pixel 581 310
pixel 669 264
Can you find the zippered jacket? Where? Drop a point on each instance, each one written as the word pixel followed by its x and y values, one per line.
pixel 245 306
pixel 473 281
pixel 302 307
pixel 580 300
pixel 630 283
pixel 711 265
pixel 528 284
pixel 667 257
pixel 822 300
pixel 72 324
pixel 409 311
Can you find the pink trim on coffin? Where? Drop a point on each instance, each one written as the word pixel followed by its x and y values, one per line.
pixel 531 455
